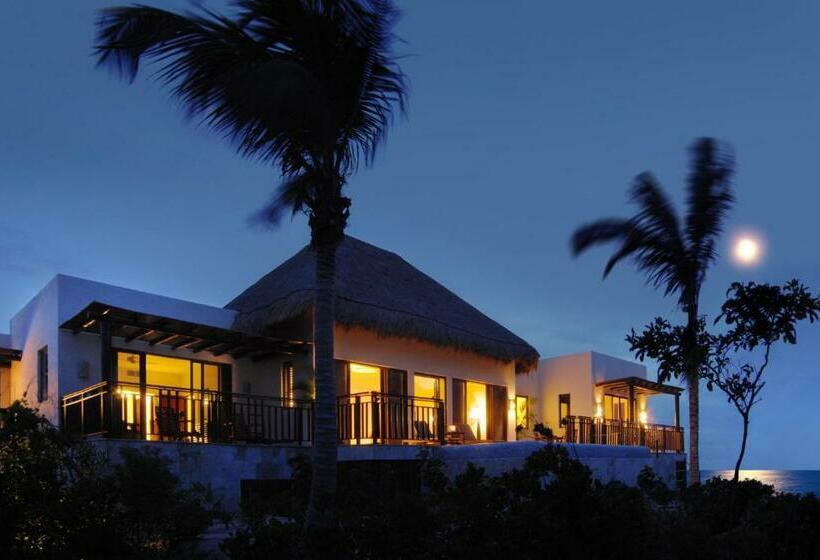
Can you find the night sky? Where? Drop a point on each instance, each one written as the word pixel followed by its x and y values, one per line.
pixel 526 119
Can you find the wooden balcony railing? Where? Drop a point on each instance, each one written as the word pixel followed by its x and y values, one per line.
pixel 384 418
pixel 657 437
pixel 158 413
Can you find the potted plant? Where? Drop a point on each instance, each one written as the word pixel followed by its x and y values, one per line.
pixel 542 432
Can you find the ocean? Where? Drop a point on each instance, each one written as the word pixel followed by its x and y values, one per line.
pixel 799 482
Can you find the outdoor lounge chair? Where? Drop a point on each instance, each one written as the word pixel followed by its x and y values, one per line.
pixel 469 436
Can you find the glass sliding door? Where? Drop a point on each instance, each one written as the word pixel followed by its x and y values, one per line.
pixel 480 410
pixel 165 398
pixel 428 395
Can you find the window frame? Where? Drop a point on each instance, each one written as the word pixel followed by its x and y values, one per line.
pixel 562 420
pixel 144 369
pixel 42 374
pixel 526 422
pixel 440 378
pixel 288 373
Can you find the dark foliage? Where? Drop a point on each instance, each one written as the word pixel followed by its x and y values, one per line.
pixel 551 507
pixel 60 498
pixel 311 86
pixel 673 252
pixel 755 318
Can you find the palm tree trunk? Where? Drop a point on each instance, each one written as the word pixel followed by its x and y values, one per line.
pixel 693 389
pixel 742 447
pixel 323 485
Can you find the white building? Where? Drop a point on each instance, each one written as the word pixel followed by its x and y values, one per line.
pixel 415 364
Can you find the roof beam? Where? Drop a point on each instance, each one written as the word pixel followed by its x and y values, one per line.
pixel 204 345
pixel 227 349
pixel 138 334
pixel 163 339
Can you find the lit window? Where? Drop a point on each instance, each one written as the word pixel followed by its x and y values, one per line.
pixel 167 372
pixel 522 411
pixel 287 381
pixel 428 386
pixel 365 379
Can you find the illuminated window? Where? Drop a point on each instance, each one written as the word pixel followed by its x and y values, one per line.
pixel 287 380
pixel 477 408
pixel 168 372
pixel 128 367
pixel 563 409
pixel 428 386
pixel 365 379
pixel 616 408
pixel 210 373
pixel 522 411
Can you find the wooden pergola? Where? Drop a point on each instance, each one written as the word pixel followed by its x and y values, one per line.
pixel 631 387
pixel 110 321
pixel 8 355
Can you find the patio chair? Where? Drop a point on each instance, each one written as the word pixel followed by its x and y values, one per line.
pixel 423 431
pixel 168 423
pixel 469 436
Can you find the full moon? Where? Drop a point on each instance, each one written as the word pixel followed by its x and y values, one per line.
pixel 747 251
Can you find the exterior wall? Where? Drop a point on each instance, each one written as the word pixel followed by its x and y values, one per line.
pixel 74 359
pixel 607 463
pixel 5 386
pixel 413 356
pixel 33 328
pixel 576 374
pixel 556 376
pixel 223 467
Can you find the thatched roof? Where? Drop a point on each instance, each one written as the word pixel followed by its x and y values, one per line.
pixel 379 291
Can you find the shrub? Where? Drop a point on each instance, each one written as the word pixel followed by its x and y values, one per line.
pixel 551 506
pixel 60 498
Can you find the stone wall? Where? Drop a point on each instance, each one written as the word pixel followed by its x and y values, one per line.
pixel 224 466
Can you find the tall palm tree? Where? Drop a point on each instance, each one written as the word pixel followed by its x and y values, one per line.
pixel 673 253
pixel 309 86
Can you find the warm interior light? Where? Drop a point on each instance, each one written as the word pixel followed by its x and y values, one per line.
pixel 476 397
pixel 599 411
pixel 642 416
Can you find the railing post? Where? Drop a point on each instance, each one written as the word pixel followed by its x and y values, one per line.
pixel 440 424
pixel 357 419
pixel 375 417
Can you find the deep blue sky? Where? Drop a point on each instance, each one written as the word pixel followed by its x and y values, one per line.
pixel 526 119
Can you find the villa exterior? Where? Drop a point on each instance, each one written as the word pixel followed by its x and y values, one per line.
pixel 594 398
pixel 415 364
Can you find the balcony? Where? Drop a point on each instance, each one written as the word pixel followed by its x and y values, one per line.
pixel 158 413
pixel 603 431
pixel 379 418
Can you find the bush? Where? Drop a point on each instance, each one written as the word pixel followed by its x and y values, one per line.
pixel 552 506
pixel 60 498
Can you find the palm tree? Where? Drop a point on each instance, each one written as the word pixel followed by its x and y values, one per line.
pixel 309 86
pixel 674 256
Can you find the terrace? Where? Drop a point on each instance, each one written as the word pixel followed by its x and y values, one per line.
pixel 619 422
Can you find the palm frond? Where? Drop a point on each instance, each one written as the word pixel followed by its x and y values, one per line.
pixel 651 238
pixel 295 194
pixel 598 233
pixel 308 84
pixel 709 198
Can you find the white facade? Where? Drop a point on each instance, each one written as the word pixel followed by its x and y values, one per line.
pixel 74 360
pixel 576 375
